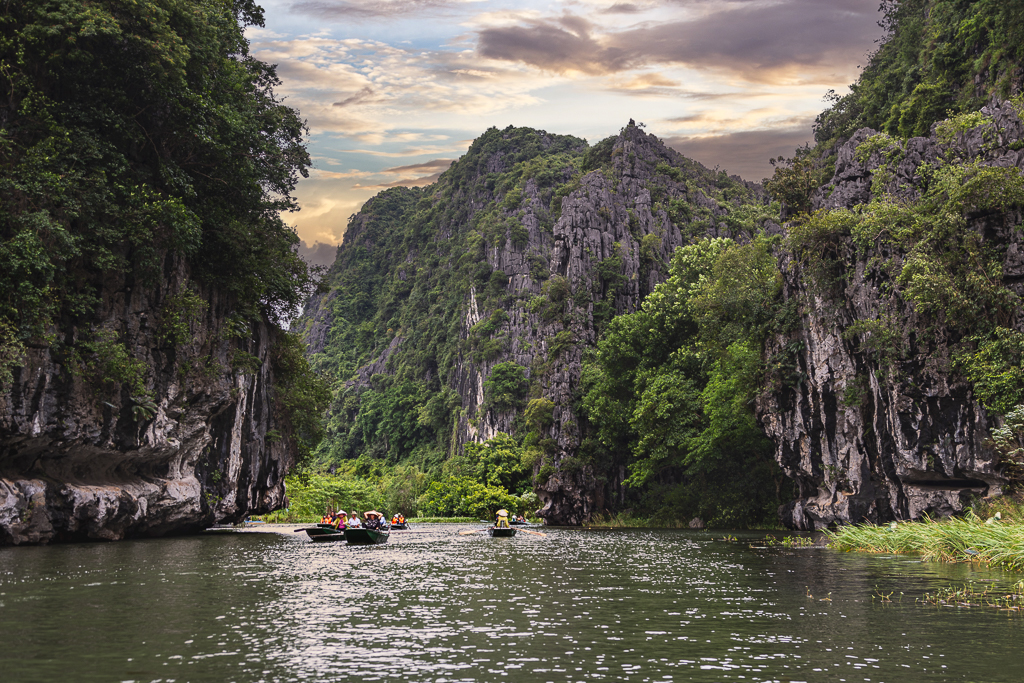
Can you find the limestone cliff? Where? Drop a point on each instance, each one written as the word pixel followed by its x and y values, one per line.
pixel 522 250
pixel 82 459
pixel 865 436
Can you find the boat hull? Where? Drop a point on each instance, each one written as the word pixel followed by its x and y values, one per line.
pixel 502 533
pixel 325 534
pixel 366 536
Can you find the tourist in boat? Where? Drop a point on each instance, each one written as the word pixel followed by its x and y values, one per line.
pixel 502 521
pixel 353 521
pixel 394 520
pixel 339 520
pixel 372 522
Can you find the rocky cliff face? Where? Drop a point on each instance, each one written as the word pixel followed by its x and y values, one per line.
pixel 867 439
pixel 82 459
pixel 558 257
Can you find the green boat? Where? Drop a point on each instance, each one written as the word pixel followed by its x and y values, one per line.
pixel 360 536
pixel 325 532
pixel 497 532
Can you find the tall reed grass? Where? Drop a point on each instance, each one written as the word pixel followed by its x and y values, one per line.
pixel 993 541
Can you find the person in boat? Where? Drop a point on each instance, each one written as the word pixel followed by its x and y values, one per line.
pixel 339 520
pixel 502 520
pixel 401 518
pixel 353 521
pixel 372 522
pixel 394 520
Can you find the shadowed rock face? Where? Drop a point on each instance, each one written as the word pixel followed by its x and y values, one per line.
pixel 865 444
pixel 78 463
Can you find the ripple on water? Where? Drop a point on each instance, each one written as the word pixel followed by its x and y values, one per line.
pixel 634 605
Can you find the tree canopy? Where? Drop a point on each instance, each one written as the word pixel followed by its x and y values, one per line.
pixel 130 131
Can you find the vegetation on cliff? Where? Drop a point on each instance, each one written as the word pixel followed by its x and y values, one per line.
pixel 501 308
pixel 418 301
pixel 134 136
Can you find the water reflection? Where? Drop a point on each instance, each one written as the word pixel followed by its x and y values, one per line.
pixel 631 605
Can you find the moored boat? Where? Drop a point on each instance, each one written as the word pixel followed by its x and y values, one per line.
pixel 360 536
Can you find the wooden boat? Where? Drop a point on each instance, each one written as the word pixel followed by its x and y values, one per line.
pixel 325 532
pixel 360 536
pixel 400 527
pixel 496 532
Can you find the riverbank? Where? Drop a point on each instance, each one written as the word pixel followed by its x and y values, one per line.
pixel 994 541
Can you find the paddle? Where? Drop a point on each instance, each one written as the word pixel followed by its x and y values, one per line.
pixel 535 533
pixel 473 531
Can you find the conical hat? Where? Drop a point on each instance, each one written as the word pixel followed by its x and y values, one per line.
pixel 503 513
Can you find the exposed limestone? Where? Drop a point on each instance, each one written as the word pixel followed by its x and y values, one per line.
pixel 864 444
pixel 78 463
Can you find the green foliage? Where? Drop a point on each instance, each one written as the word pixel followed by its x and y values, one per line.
pixel 947 131
pixel 300 396
pixel 1008 440
pixel 109 363
pixel 180 315
pixel 672 386
pixel 796 178
pixel 939 57
pixel 500 462
pixel 996 369
pixel 462 496
pixel 540 414
pixel 135 130
pixel 505 387
pixel 312 495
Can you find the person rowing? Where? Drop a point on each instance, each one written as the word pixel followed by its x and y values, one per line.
pixel 501 522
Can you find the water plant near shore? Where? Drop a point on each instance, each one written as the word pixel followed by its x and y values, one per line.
pixel 993 541
pixel 968 595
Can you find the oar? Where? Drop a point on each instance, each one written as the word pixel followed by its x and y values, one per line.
pixel 473 531
pixel 535 533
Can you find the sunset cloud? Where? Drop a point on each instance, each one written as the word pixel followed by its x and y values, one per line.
pixel 393 90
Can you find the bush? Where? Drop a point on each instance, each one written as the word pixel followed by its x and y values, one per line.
pixel 464 497
pixel 506 386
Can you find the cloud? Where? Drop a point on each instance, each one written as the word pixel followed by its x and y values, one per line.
pixel 759 41
pixel 370 9
pixel 366 94
pixel 623 8
pixel 406 182
pixel 434 165
pixel 551 48
pixel 744 153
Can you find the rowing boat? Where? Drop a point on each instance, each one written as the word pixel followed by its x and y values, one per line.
pixel 496 532
pixel 325 532
pixel 359 536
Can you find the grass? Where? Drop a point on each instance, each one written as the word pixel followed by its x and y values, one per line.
pixel 994 540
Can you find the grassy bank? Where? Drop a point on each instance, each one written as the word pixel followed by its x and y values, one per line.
pixel 994 540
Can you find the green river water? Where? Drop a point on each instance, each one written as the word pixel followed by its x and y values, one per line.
pixel 576 605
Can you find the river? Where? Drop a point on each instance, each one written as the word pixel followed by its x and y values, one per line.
pixel 431 605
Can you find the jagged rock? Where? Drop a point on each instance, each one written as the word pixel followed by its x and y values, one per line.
pixel 863 446
pixel 76 464
pixel 610 214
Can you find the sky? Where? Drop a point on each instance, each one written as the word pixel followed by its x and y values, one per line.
pixel 393 91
